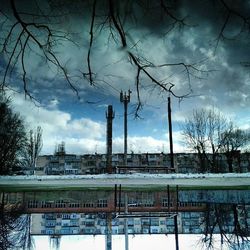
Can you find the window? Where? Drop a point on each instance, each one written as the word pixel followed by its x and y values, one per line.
pixel 50 231
pixel 155 221
pixel 74 205
pixel 66 216
pixel 137 222
pixel 102 203
pixel 154 230
pixel 130 221
pixel 74 223
pixel 162 222
pixel 65 231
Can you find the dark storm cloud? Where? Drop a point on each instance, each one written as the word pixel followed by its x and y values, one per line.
pixel 184 32
pixel 146 25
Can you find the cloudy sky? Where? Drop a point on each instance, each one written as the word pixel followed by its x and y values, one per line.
pixel 210 37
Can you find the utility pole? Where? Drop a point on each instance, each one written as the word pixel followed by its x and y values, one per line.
pixel 170 133
pixel 110 116
pixel 125 99
pixel 176 233
pixel 126 222
pixel 176 220
pixel 108 235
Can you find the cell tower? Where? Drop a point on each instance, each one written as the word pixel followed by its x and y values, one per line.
pixel 125 99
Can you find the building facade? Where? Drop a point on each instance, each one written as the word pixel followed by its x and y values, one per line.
pixel 188 222
pixel 67 164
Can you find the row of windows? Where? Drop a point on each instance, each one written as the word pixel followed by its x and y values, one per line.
pixel 93 230
pixel 104 203
pixel 132 230
pixel 36 204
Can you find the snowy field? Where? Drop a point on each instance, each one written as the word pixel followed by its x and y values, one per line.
pixel 127 180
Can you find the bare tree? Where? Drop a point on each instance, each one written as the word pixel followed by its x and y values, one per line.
pixel 227 220
pixel 36 30
pixel 233 140
pixel 241 227
pixel 32 149
pixel 203 133
pixel 55 241
pixel 12 137
pixel 215 221
pixel 14 226
pixel 247 156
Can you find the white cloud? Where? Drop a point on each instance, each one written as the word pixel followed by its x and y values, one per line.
pixel 138 144
pixel 244 124
pixel 180 115
pixel 80 135
pixel 144 144
pixel 83 135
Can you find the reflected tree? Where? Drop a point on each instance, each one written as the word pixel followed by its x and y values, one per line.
pixel 212 136
pixel 32 149
pixel 227 220
pixel 203 133
pixel 14 227
pixel 240 226
pixel 55 241
pixel 247 153
pixel 19 150
pixel 233 141
pixel 215 221
pixel 12 137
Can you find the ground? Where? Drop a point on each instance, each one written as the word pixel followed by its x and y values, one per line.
pixel 69 182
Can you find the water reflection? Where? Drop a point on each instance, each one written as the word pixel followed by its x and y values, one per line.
pixel 15 225
pixel 97 212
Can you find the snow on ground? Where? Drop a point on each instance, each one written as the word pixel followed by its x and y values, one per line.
pixel 135 179
pixel 126 176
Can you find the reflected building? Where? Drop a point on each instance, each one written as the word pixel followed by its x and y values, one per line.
pixel 115 212
pixel 96 223
pixel 86 212
pixel 62 163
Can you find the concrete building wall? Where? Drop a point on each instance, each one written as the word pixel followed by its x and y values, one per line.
pixel 96 163
pixel 188 222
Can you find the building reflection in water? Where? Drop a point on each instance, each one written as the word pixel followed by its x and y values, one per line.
pixel 112 212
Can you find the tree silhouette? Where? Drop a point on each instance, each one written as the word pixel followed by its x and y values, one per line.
pixel 203 132
pixel 14 226
pixel 219 219
pixel 32 149
pixel 12 138
pixel 234 140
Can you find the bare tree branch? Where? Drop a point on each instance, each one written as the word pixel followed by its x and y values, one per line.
pixel 230 13
pixel 20 50
pixel 91 32
pixel 32 31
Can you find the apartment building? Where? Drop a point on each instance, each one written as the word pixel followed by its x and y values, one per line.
pixel 188 222
pixel 61 163
pixel 97 223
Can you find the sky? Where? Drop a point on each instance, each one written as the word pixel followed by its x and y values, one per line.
pixel 213 38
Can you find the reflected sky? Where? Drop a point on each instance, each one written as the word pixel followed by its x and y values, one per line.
pixel 217 74
pixel 204 218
